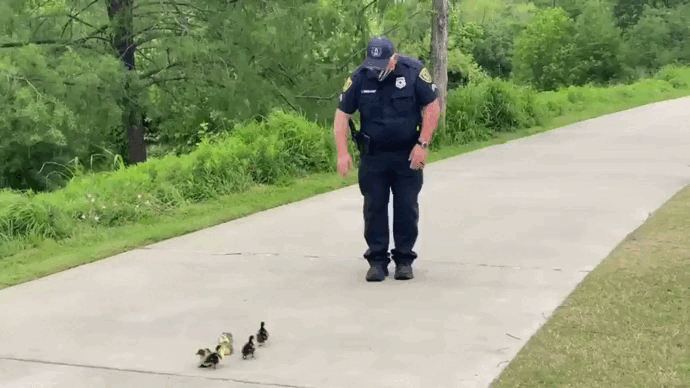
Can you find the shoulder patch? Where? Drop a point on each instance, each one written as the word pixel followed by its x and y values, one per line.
pixel 347 85
pixel 425 76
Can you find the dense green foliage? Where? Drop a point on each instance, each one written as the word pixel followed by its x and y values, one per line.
pixel 205 68
pixel 276 151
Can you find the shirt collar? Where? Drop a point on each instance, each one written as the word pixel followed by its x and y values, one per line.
pixel 398 71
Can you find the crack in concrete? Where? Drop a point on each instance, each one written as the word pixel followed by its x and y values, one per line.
pixel 247 254
pixel 274 254
pixel 150 372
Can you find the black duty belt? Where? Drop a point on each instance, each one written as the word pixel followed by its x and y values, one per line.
pixel 364 143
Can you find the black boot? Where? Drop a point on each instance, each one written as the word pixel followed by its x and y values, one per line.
pixel 377 273
pixel 403 264
pixel 403 271
pixel 378 268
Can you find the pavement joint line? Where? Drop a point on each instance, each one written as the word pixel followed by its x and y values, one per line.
pixel 149 372
pixel 512 336
pixel 502 266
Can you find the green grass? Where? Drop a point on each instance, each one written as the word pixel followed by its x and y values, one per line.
pixel 101 215
pixel 626 325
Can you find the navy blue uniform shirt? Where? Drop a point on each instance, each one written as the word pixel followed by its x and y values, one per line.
pixel 390 110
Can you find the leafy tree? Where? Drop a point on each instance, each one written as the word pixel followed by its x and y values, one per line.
pixel 661 37
pixel 408 24
pixel 598 45
pixel 189 69
pixel 627 13
pixel 82 81
pixel 493 51
pixel 545 50
pixel 59 95
pixel 462 69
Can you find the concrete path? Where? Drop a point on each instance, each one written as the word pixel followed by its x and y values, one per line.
pixel 506 234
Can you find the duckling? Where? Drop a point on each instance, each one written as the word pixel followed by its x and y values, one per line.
pixel 225 341
pixel 203 353
pixel 248 349
pixel 212 359
pixel 262 335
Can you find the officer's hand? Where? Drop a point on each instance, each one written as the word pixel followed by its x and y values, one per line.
pixel 344 164
pixel 417 157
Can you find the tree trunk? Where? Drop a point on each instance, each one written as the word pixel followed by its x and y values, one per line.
pixel 122 21
pixel 439 49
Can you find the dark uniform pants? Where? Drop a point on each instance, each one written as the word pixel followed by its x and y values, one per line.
pixel 379 174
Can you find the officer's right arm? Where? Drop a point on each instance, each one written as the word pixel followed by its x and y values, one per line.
pixel 348 106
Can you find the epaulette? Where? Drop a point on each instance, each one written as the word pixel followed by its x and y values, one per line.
pixel 411 62
pixel 359 70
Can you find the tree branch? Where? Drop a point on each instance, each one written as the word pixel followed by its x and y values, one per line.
pixel 62 42
pixel 189 5
pixel 93 35
pixel 280 93
pixel 164 80
pixel 152 73
pixel 45 81
pixel 146 57
pixel 38 42
pixel 317 97
pixel 172 27
pixel 73 18
pixel 368 5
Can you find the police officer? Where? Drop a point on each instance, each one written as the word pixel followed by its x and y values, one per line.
pixel 394 95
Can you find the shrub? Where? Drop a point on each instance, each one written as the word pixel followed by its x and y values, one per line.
pixel 676 76
pixel 493 51
pixel 462 69
pixel 486 107
pixel 544 50
pixel 598 45
pixel 660 38
pixel 281 147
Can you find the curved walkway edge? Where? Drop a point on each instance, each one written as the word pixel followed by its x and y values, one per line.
pixel 506 233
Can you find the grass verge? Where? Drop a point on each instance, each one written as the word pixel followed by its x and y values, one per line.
pixel 31 258
pixel 626 324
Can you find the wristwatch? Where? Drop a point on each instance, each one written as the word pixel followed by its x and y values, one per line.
pixel 424 144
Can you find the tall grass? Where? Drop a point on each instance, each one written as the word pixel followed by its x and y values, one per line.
pixel 486 108
pixel 284 147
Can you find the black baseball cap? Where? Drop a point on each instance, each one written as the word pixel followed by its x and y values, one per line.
pixel 379 51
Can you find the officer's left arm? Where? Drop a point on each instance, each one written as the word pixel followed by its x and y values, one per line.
pixel 428 98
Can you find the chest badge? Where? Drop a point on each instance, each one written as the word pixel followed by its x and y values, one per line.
pixel 400 82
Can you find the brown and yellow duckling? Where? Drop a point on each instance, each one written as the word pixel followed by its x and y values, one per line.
pixel 203 353
pixel 210 359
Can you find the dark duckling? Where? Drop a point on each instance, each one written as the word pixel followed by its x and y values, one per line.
pixel 262 335
pixel 248 349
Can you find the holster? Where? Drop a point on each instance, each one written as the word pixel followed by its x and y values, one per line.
pixel 363 141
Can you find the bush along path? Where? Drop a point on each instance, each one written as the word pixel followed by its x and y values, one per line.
pixel 262 165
